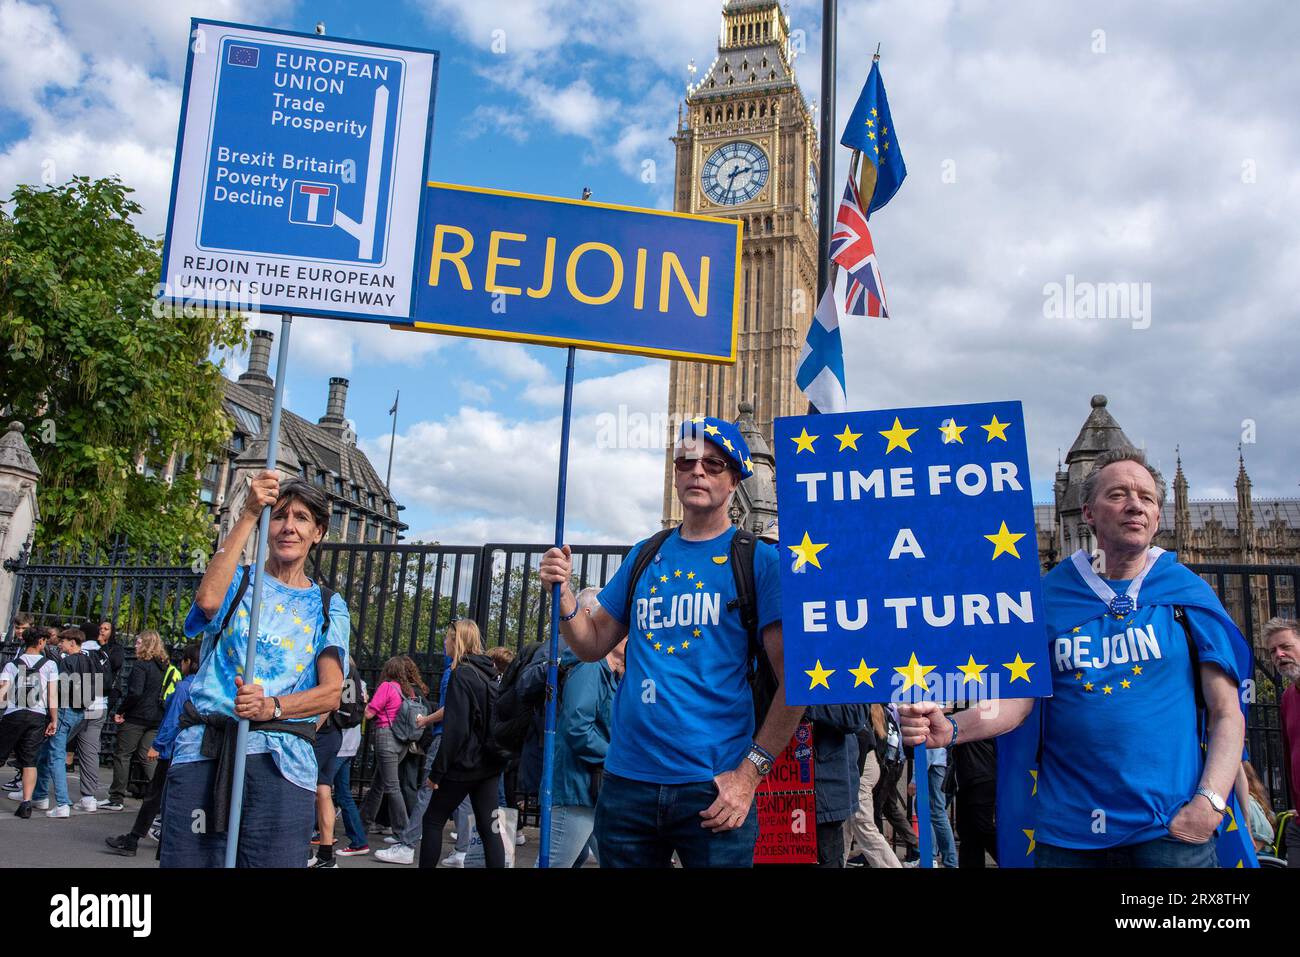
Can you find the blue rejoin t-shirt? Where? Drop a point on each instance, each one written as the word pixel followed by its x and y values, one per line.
pixel 287 648
pixel 1121 754
pixel 683 712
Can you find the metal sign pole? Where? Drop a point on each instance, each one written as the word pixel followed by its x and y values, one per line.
pixel 553 652
pixel 263 541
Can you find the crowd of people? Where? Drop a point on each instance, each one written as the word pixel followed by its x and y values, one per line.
pixel 670 711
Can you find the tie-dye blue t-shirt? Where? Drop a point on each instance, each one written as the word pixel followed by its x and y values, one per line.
pixel 287 648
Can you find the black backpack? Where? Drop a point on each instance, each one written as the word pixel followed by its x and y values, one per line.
pixel 762 679
pixel 351 709
pixel 521 695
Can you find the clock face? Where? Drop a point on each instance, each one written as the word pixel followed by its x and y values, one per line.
pixel 735 173
pixel 814 196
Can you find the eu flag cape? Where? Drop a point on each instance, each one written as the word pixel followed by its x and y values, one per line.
pixel 1069 601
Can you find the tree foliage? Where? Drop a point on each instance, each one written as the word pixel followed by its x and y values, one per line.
pixel 99 372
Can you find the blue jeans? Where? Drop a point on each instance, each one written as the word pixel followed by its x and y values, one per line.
pixel 52 763
pixel 274 828
pixel 571 834
pixel 1165 851
pixel 939 823
pixel 639 824
pixel 347 806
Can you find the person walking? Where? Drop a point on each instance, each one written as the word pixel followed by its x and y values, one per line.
pixel 395 686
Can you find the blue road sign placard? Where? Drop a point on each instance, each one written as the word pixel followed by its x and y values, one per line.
pixel 541 269
pixel 300 164
pixel 909 559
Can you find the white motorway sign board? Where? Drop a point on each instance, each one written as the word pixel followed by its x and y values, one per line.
pixel 300 167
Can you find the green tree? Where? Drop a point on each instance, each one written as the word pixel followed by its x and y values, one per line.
pixel 99 373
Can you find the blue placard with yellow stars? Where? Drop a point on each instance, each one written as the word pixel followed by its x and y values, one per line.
pixel 909 561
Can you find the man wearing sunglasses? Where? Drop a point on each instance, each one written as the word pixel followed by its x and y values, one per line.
pixel 685 757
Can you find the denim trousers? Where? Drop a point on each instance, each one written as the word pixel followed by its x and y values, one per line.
pixel 274 828
pixel 1165 851
pixel 51 764
pixel 348 806
pixel 572 827
pixel 939 823
pixel 640 824
pixel 388 755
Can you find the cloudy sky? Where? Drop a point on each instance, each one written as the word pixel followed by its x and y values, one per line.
pixel 1046 143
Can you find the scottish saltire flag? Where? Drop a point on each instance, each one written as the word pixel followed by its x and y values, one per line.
pixel 1113 657
pixel 851 247
pixel 870 130
pixel 821 364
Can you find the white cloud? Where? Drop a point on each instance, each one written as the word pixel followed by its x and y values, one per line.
pixel 481 473
pixel 511 360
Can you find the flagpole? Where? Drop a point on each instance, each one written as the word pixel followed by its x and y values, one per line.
pixel 826 172
pixel 388 479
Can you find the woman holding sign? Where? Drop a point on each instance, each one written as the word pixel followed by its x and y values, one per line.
pixel 302 646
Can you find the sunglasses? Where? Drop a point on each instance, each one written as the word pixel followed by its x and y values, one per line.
pixel 712 464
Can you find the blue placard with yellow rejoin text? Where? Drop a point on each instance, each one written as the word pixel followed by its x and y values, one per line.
pixel 909 560
pixel 541 269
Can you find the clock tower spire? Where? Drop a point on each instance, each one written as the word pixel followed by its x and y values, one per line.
pixel 747 149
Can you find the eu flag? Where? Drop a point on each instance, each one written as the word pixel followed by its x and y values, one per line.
pixel 871 131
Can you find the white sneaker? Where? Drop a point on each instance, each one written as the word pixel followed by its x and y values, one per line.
pixel 16 795
pixel 520 840
pixel 454 837
pixel 401 854
pixel 454 859
pixel 42 805
pixel 59 810
pixel 88 804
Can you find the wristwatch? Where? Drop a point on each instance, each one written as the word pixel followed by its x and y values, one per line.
pixel 760 759
pixel 1218 803
pixel 276 714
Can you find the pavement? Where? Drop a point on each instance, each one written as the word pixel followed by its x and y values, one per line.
pixel 78 841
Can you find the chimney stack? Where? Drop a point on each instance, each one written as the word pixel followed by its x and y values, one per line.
pixel 333 419
pixel 257 378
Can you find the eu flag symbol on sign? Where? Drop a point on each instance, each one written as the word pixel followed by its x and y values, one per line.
pixel 870 130
pixel 909 561
pixel 239 55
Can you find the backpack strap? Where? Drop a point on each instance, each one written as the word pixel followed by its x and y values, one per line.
pixel 743 545
pixel 644 556
pixel 326 596
pixel 239 596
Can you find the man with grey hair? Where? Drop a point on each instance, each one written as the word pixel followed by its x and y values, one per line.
pixel 1282 641
pixel 1146 668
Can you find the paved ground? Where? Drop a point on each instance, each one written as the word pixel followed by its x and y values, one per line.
pixel 78 841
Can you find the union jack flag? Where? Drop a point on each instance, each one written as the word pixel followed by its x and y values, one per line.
pixel 853 250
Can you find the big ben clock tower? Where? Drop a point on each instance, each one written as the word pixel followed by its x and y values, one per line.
pixel 747 149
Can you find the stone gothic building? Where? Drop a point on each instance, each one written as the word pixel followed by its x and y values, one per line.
pixel 747 149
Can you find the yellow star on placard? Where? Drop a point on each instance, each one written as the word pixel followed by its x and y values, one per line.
pixel 650 635
pixel 699 584
pixel 1076 629
pixel 663 578
pixel 1019 669
pixel 696 633
pixel 672 649
pixel 657 646
pixel 1107 689
pixel 1004 541
pixel 1232 821
pixel 689 574
pixel 849 439
pixel 1087 686
pixel 685 645
pixel 653 589
pixel 1126 683
pixel 1078 676
pixel 818 674
pixel 996 430
pixel 1137 669
pixel 806 552
pixel 1029 833
pixel 804 442
pixel 971 670
pixel 873 112
pixel 677 573
pixel 862 674
pixel 1034 774
pixel 914 672
pixel 898 436
pixel 952 432
pixel 710 430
